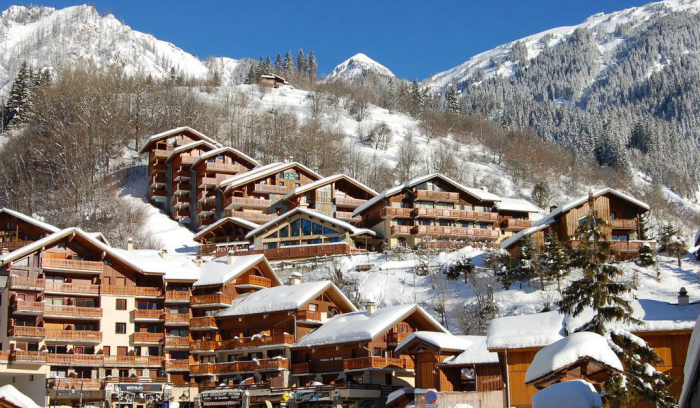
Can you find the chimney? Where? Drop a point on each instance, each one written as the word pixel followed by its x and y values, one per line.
pixel 130 244
pixel 294 278
pixel 552 208
pixel 483 188
pixel 229 258
pixel 291 159
pixel 198 261
pixel 371 307
pixel 683 298
pixel 164 254
pixel 315 169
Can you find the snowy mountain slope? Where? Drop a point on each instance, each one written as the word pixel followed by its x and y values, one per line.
pixel 47 38
pixel 500 61
pixel 358 67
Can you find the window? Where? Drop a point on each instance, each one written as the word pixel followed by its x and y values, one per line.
pixel 120 328
pixel 121 304
pixel 317 229
pixel 295 228
pixel 270 245
pixel 124 373
pixel 284 232
pixel 613 215
pixel 334 239
pixel 306 227
pixel 328 231
pixel 273 235
pixel 85 326
pixel 85 302
pixel 312 307
pixel 289 243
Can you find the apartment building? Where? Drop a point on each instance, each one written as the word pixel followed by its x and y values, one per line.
pixel 431 210
pixel 225 234
pixel 18 230
pixel 515 215
pixel 620 212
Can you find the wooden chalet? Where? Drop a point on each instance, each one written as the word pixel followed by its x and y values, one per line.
pixel 515 215
pixel 302 233
pixel 18 230
pixel 272 81
pixel 224 235
pixel 620 211
pixel 431 210
pixel 251 195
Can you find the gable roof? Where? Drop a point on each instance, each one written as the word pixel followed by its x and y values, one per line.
pixel 439 340
pixel 552 217
pixel 476 353
pixel 354 231
pixel 219 272
pixel 357 326
pixel 222 150
pixel 43 225
pixel 188 146
pixel 175 132
pixel 325 181
pixel 240 221
pixel 479 194
pixel 517 205
pixel 283 298
pixel 533 330
pixel 261 172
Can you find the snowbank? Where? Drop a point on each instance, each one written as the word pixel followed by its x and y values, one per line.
pixel 571 394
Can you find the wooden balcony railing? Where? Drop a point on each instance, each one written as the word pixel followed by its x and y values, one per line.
pixel 301 368
pixel 176 318
pixel 622 246
pixel 437 195
pixel 138 291
pixel 225 167
pixel 394 337
pixel 4 356
pixel 443 213
pixel 38 357
pixel 75 359
pixel 348 202
pixel 160 153
pixel 144 337
pixel 58 287
pixel 75 383
pixel 347 216
pixel 187 159
pixel 246 202
pixel 396 212
pixel 214 299
pixel 251 216
pixel 205 322
pixel 177 342
pixel 21 306
pixel 308 315
pixel 157 168
pixel 87 336
pixel 207 182
pixel 376 362
pixel 455 232
pixel 26 331
pixel 624 224
pixel 246 366
pixel 254 281
pixel 148 314
pixel 204 345
pixel 308 251
pixel 22 283
pixel 16 244
pixel 202 369
pixel 512 224
pixel 256 341
pixel 72 312
pixel 177 296
pixel 401 229
pixel 72 264
pixel 270 189
pixel 177 365
pixel 133 361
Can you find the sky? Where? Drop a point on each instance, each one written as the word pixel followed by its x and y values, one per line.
pixel 414 39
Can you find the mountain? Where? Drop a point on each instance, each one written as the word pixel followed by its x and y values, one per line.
pixel 357 68
pixel 47 38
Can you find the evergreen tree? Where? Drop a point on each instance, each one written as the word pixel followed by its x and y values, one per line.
pixel 268 65
pixel 288 66
pixel 541 194
pixel 19 93
pixel 671 242
pixel 643 228
pixel 301 64
pixel 555 262
pixel 416 99
pixel 504 267
pixel 278 65
pixel 526 267
pixel 451 101
pixel 312 66
pixel 645 256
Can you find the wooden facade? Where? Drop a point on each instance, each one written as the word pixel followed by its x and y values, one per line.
pixel 18 230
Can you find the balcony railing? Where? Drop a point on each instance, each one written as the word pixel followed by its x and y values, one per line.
pixel 176 342
pixel 347 216
pixel 256 341
pixel 445 213
pixel 308 251
pixel 622 246
pixel 247 202
pixel 83 336
pixel 455 232
pixel 160 153
pixel 247 366
pixel 251 280
pixel 145 337
pixel 133 361
pixel 138 291
pixel 437 195
pixel 179 296
pixel 176 318
pixel 75 359
pixel 401 229
pixel 148 314
pixel 225 167
pixel 207 182
pixel 75 383
pixel 396 212
pixel 201 323
pixel 270 189
pixel 512 224
pixel 72 312
pixel 202 369
pixel 213 299
pixel 377 362
pixel 396 337
pixel 4 356
pixel 251 216
pixel 75 288
pixel 22 283
pixel 348 202
pixel 16 244
pixel 308 315
pixel 26 331
pixel 204 345
pixel 21 306
pixel 72 265
pixel 177 365
pixel 624 224
pixel 38 357
pixel 187 159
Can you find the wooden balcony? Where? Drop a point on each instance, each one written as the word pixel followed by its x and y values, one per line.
pixel 85 384
pixel 177 296
pixel 242 202
pixel 71 288
pixel 308 251
pixel 624 224
pixel 133 361
pixel 26 332
pixel 256 341
pixel 432 195
pixel 511 224
pixel 232 168
pixel 187 159
pixel 74 336
pixel 443 213
pixel 151 315
pixel 394 337
pixel 4 356
pixel 211 300
pixel 251 216
pixel 158 168
pixel 252 281
pixel 301 368
pixel 383 363
pixel 15 244
pixel 21 283
pixel 176 319
pixel 144 337
pixel 177 365
pixel 203 369
pixel 179 343
pixel 158 180
pixel 401 229
pixel 455 232
pixel 73 312
pixel 159 154
pixel 27 308
pixel 347 216
pixel 75 359
pixel 203 323
pixel 391 212
pixel 308 315
pixel 27 357
pixel 205 182
pixel 622 246
pixel 137 291
pixel 72 265
pixel 347 202
pixel 270 189
pixel 203 345
pixel 249 366
pixel 181 202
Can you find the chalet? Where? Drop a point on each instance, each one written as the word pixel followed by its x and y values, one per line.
pixel 18 230
pixel 335 196
pixel 620 211
pixel 302 233
pixel 690 395
pixel 431 210
pixel 517 339
pixel 515 215
pixel 272 81
pixel 225 234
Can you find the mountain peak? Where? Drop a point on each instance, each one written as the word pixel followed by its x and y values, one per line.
pixel 357 67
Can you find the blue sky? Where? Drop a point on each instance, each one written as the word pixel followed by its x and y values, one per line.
pixel 412 38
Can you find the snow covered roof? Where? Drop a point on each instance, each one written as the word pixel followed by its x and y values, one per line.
pixel 692 361
pixel 570 350
pixel 569 394
pixel 476 353
pixel 517 205
pixel 327 180
pixel 262 172
pixel 534 330
pixel 99 236
pixel 358 326
pixel 474 192
pixel 275 76
pixel 175 132
pixel 222 150
pixel 439 340
pixel 176 151
pixel 30 220
pixel 281 298
pixel 240 221
pixel 176 267
pixel 12 395
pixel 218 271
pixel 551 217
pixel 354 231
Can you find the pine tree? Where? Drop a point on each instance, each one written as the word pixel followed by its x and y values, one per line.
pixel 451 101
pixel 301 63
pixel 645 255
pixel 555 262
pixel 278 65
pixel 268 65
pixel 504 267
pixel 288 66
pixel 526 269
pixel 19 93
pixel 312 66
pixel 416 101
pixel 541 194
pixel 671 242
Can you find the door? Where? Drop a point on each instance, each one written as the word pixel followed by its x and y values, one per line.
pixel 106 350
pixel 121 281
pixel 122 350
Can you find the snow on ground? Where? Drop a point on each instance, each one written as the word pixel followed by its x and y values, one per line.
pixel 570 394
